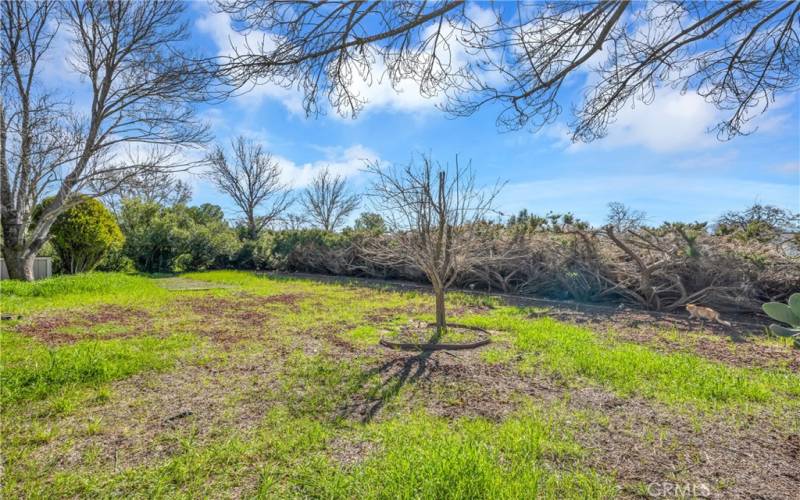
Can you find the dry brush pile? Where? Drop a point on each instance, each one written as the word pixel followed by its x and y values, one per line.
pixel 659 269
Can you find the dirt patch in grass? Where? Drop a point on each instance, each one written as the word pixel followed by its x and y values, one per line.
pixel 446 384
pixel 241 307
pixel 148 415
pixel 387 314
pixel 639 441
pixel 349 453
pixel 179 284
pixel 232 319
pixel 69 327
pixel 643 443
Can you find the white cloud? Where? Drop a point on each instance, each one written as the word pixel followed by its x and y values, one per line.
pixel 374 86
pixel 57 63
pixel 672 122
pixel 379 92
pixel 776 118
pixel 405 95
pixel 347 162
pixel 217 25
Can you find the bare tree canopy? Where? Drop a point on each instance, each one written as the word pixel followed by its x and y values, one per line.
pixel 433 211
pixel 738 55
pixel 140 82
pixel 623 217
pixel 163 188
pixel 293 222
pixel 763 220
pixel 252 178
pixel 327 200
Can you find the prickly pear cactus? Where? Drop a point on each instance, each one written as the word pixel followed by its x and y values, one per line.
pixel 788 313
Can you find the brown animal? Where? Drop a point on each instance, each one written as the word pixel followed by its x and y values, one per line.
pixel 704 313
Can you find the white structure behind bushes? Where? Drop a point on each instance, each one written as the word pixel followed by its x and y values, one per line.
pixel 42 268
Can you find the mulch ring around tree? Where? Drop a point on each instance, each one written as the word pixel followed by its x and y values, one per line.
pixel 422 336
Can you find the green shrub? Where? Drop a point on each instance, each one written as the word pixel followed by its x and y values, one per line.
pixel 83 235
pixel 255 254
pixel 370 223
pixel 176 239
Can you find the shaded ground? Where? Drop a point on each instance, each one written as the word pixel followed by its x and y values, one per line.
pixel 285 349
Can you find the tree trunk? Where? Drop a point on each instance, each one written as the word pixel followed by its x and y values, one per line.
pixel 441 322
pixel 19 263
pixel 252 228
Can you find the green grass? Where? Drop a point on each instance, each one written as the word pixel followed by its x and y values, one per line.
pixel 31 370
pixel 577 354
pixel 292 421
pixel 19 297
pixel 428 457
pixel 416 456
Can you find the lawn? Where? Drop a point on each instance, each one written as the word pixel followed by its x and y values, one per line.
pixel 229 384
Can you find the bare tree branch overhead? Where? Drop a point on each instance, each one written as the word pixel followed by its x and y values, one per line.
pixel 252 178
pixel 327 201
pixel 141 85
pixel 520 57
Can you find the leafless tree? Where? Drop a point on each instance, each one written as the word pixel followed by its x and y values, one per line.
pixel 760 218
pixel 623 217
pixel 294 222
pixel 433 211
pixel 738 55
pixel 163 188
pixel 140 83
pixel 252 178
pixel 327 200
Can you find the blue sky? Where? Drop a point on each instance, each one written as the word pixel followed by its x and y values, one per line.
pixel 656 158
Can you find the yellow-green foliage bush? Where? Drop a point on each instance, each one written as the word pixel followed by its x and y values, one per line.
pixel 84 234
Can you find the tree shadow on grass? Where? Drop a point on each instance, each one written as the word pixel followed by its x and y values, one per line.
pixel 394 374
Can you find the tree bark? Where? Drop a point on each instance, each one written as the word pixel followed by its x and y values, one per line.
pixel 19 263
pixel 441 321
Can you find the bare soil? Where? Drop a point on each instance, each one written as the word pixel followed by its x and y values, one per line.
pixel 68 327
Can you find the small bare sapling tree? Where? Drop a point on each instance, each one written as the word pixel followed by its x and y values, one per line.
pixel 252 178
pixel 328 201
pixel 433 212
